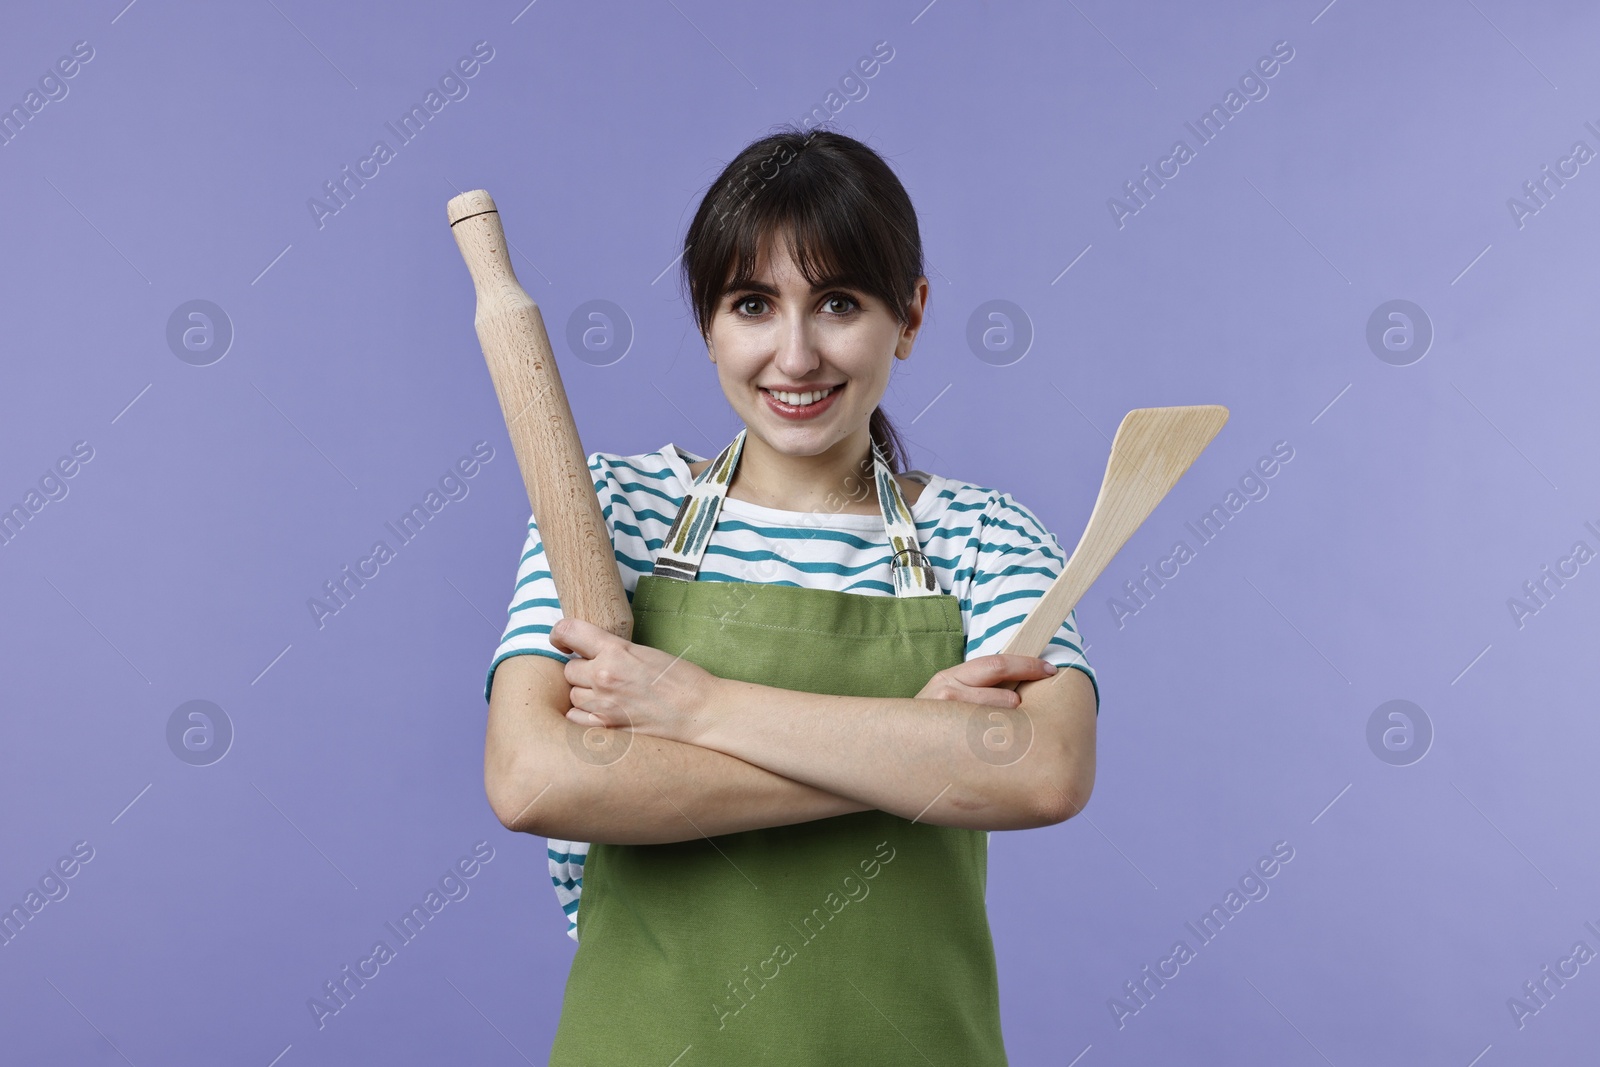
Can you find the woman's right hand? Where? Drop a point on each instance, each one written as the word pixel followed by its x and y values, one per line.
pixel 981 680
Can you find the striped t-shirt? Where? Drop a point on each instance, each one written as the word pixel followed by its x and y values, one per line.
pixel 986 549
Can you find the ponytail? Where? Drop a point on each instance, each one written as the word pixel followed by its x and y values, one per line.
pixel 886 437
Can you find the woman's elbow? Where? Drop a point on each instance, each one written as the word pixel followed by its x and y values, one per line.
pixel 1062 798
pixel 1062 758
pixel 504 799
pixel 524 744
pixel 518 795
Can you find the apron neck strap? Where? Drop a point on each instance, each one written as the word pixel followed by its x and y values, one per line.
pixel 686 542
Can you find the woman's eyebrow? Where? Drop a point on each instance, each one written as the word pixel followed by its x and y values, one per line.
pixel 837 281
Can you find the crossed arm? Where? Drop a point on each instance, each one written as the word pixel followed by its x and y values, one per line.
pixel 804 757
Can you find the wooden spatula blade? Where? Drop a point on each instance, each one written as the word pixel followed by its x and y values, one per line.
pixel 1152 449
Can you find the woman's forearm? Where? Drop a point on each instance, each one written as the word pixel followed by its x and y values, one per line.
pixel 919 758
pixel 633 788
pixel 658 791
pixel 662 791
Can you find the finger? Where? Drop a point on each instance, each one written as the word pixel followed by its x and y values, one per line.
pixel 991 697
pixel 1027 664
pixel 974 672
pixel 1009 665
pixel 557 637
pixel 576 636
pixel 1043 668
pixel 576 672
pixel 994 697
pixel 584 718
pixel 986 670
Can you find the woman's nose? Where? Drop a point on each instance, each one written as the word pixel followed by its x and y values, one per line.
pixel 796 354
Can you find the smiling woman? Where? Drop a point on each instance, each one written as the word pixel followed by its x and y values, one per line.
pixel 815 673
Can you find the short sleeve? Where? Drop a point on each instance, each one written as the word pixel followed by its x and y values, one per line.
pixel 534 607
pixel 1017 561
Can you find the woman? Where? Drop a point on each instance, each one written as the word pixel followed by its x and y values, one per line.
pixel 788 772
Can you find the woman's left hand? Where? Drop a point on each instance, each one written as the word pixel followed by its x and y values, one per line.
pixel 620 684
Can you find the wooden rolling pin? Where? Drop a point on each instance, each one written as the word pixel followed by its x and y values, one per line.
pixel 555 468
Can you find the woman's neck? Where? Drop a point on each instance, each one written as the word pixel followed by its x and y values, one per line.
pixel 839 479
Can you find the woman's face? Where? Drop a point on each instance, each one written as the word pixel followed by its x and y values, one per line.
pixel 776 333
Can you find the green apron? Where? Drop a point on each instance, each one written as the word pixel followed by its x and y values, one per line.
pixel 858 939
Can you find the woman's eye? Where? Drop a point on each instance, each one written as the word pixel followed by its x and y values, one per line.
pixel 753 306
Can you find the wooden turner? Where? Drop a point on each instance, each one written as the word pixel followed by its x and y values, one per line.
pixel 1153 447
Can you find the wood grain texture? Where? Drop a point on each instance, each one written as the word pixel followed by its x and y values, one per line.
pixel 554 465
pixel 1152 449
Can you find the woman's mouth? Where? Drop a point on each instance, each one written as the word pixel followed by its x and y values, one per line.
pixel 806 405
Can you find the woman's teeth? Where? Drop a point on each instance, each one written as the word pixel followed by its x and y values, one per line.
pixel 800 400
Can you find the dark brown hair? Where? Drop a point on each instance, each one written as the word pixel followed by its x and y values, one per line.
pixel 848 217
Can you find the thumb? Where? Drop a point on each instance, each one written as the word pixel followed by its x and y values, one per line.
pixel 567 635
pixel 1011 665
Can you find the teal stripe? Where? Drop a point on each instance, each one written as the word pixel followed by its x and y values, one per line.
pixel 1011 550
pixel 534 628
pixel 1015 620
pixel 652 515
pixel 978 640
pixel 533 576
pixel 630 560
pixel 718 576
pixel 1015 568
pixel 948 562
pixel 952 532
pixel 642 566
pixel 537 602
pixel 675 500
pixel 1015 594
pixel 1029 529
pixel 799 565
pixel 777 533
pixel 1022 513
pixel 660 475
pixel 627 528
pixel 887 587
pixel 799 533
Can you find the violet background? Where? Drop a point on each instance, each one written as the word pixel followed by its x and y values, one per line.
pixel 1236 703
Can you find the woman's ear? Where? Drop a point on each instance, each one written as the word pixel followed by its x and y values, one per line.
pixel 915 310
